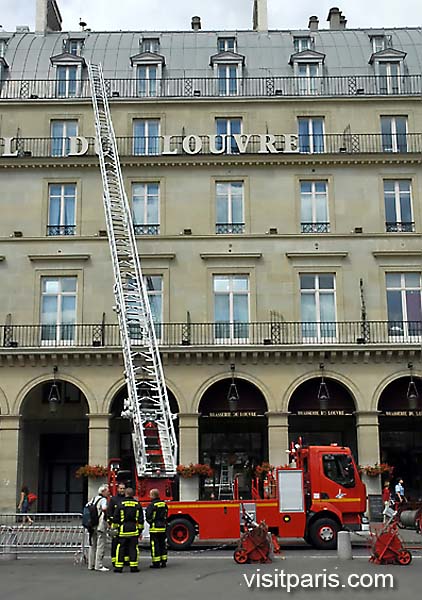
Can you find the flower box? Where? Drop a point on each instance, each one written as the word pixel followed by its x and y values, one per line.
pixel 91 471
pixel 188 471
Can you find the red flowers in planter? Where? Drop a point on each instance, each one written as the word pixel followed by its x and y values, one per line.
pixel 375 470
pixel 188 471
pixel 92 471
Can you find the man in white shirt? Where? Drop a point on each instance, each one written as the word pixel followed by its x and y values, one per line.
pixel 399 490
pixel 98 536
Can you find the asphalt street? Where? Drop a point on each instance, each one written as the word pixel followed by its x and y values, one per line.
pixel 209 574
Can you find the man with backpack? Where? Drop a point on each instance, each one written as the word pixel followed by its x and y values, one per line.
pixel 95 512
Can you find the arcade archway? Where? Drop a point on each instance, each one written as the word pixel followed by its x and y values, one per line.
pixel 333 423
pixel 54 444
pixel 232 442
pixel 400 430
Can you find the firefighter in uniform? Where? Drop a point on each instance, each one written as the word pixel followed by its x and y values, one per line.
pixel 156 515
pixel 114 502
pixel 128 520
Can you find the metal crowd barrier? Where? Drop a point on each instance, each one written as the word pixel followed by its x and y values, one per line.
pixel 49 533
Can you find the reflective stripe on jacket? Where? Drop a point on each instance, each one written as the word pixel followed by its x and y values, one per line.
pixel 128 518
pixel 156 515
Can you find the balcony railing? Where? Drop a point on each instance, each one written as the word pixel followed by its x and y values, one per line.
pixel 283 333
pixel 211 87
pixel 331 143
pixel 146 229
pixel 315 227
pixel 400 226
pixel 61 229
pixel 222 228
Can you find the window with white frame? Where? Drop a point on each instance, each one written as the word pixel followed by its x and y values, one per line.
pixel 58 309
pixel 226 44
pixel 67 81
pixel 61 209
pixel 147 77
pixel 146 208
pixel 228 79
pixel 378 43
pixel 394 133
pixel 318 306
pixel 311 134
pixel 2 48
pixel 229 207
pixel 398 205
pixel 73 46
pixel 314 207
pixel 61 132
pixel 308 74
pixel 231 306
pixel 150 45
pixel 404 304
pixel 146 136
pixel 302 43
pixel 389 77
pixel 226 128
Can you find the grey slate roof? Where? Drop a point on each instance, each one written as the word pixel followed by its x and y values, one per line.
pixel 188 53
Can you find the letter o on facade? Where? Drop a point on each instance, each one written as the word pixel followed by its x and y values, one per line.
pixel 192 144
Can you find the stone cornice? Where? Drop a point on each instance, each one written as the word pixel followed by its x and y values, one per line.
pixel 397 253
pixel 158 256
pixel 58 257
pixel 316 255
pixel 230 255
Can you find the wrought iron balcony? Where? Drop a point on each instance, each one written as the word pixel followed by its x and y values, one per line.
pixel 315 227
pixel 328 144
pixel 400 227
pixel 174 335
pixel 146 229
pixel 61 229
pixel 223 228
pixel 214 87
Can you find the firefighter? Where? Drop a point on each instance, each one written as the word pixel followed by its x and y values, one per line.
pixel 115 501
pixel 156 515
pixel 128 522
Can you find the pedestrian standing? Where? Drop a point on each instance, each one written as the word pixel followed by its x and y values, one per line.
pixel 386 498
pixel 399 492
pixel 128 522
pixel 98 536
pixel 156 515
pixel 23 505
pixel 115 502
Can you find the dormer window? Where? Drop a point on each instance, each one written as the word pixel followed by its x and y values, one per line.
pixel 73 47
pixel 389 70
pixel 228 70
pixel 148 71
pixel 68 74
pixel 150 45
pixel 307 67
pixel 302 43
pixel 226 44
pixel 380 42
pixel 2 48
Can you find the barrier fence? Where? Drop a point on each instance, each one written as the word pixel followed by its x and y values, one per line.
pixel 49 533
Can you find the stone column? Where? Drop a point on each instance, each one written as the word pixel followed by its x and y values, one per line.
pixel 188 453
pixel 368 446
pixel 278 438
pixel 10 426
pixel 98 446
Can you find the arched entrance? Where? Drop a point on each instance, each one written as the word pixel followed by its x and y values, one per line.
pixel 120 439
pixel 400 430
pixel 333 423
pixel 232 442
pixel 54 444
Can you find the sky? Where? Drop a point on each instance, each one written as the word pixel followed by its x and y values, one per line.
pixel 159 15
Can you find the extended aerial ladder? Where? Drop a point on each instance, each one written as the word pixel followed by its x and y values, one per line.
pixel 147 405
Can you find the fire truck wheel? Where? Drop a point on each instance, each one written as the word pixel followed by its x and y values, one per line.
pixel 240 557
pixel 323 534
pixel 180 534
pixel 404 557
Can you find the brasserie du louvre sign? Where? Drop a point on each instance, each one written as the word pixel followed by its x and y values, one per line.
pixel 168 145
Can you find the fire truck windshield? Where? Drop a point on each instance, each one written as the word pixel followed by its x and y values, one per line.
pixel 339 468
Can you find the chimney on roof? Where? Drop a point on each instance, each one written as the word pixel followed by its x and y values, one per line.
pixel 336 19
pixel 260 15
pixel 196 23
pixel 313 23
pixel 47 16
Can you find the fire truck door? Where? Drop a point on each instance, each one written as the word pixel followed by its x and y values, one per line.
pixel 291 503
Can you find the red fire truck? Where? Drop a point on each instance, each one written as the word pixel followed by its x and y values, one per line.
pixel 318 494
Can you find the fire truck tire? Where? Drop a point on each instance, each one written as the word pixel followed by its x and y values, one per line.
pixel 180 534
pixel 323 534
pixel 404 557
pixel 240 557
